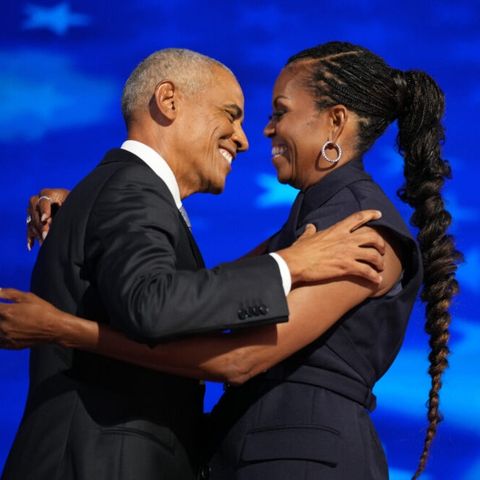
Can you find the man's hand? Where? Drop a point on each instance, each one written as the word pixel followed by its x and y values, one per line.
pixel 27 321
pixel 40 211
pixel 346 248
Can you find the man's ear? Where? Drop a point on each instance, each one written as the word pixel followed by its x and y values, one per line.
pixel 165 98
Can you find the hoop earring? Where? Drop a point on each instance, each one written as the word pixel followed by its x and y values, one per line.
pixel 337 147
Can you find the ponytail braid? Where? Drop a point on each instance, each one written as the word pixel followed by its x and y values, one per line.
pixel 419 140
pixel 342 73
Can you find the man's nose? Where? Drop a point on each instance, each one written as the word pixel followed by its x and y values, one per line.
pixel 240 139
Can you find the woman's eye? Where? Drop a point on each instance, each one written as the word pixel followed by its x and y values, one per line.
pixel 276 115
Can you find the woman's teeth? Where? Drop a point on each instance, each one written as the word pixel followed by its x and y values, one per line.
pixel 279 150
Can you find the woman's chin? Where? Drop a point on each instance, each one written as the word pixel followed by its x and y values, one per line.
pixel 285 180
pixel 283 177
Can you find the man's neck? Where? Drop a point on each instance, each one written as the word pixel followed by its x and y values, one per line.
pixel 158 164
pixel 166 146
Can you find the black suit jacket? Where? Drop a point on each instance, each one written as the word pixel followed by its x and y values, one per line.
pixel 120 253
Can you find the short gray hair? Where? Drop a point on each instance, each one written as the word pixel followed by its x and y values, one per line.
pixel 187 69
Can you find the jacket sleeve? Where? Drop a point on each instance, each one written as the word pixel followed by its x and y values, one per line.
pixel 130 249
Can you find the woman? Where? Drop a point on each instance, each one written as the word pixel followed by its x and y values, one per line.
pixel 304 414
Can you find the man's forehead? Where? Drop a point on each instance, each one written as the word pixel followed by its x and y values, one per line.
pixel 225 85
pixel 228 80
pixel 222 71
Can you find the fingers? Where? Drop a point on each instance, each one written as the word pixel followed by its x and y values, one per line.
pixel 357 219
pixel 369 253
pixel 368 272
pixel 56 195
pixel 18 296
pixel 30 238
pixel 44 207
pixel 372 257
pixel 33 222
pixel 39 212
pixel 369 237
pixel 45 212
pixel 13 295
pixel 310 230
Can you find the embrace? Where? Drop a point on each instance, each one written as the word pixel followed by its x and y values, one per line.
pixel 125 322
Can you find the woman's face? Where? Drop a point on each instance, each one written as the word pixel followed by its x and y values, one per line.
pixel 297 131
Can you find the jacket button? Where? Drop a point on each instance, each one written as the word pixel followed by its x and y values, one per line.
pixel 204 472
pixel 242 314
pixel 263 309
pixel 252 311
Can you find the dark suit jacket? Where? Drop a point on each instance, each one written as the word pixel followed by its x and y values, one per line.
pixel 306 418
pixel 120 253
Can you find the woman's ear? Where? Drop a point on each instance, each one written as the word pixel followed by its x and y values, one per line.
pixel 337 118
pixel 165 100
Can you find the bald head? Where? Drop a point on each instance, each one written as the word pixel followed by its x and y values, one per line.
pixel 189 71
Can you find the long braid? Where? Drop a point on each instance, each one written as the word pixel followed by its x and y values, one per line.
pixel 419 139
pixel 342 73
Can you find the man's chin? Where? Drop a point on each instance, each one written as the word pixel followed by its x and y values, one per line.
pixel 215 189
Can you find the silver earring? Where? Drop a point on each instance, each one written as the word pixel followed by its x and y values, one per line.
pixel 336 146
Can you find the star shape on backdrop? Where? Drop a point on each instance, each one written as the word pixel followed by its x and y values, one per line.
pixel 66 98
pixel 275 194
pixel 57 18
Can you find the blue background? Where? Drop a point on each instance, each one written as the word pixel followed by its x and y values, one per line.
pixel 62 68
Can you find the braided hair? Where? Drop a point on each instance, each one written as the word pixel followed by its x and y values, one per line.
pixel 342 73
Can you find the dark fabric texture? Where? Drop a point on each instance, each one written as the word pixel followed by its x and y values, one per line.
pixel 120 253
pixel 308 416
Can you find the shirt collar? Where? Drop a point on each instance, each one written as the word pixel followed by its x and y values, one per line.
pixel 157 163
pixel 321 192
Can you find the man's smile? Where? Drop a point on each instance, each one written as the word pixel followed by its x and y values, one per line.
pixel 226 155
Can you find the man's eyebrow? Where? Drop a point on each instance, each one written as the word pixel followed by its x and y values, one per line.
pixel 235 110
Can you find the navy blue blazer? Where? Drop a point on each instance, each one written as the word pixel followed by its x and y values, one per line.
pixel 307 417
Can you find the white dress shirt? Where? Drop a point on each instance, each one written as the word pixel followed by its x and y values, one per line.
pixel 159 165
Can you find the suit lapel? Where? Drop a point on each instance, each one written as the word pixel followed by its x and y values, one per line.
pixel 193 244
pixel 120 155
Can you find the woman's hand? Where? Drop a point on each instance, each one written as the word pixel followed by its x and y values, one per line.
pixel 40 211
pixel 27 321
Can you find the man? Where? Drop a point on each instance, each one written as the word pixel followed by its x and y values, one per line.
pixel 121 252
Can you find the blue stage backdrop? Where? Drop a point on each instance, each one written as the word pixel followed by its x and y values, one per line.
pixel 62 68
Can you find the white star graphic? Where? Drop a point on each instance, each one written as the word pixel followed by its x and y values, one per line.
pixel 275 193
pixel 58 18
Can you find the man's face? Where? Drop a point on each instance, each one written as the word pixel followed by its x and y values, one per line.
pixel 211 132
